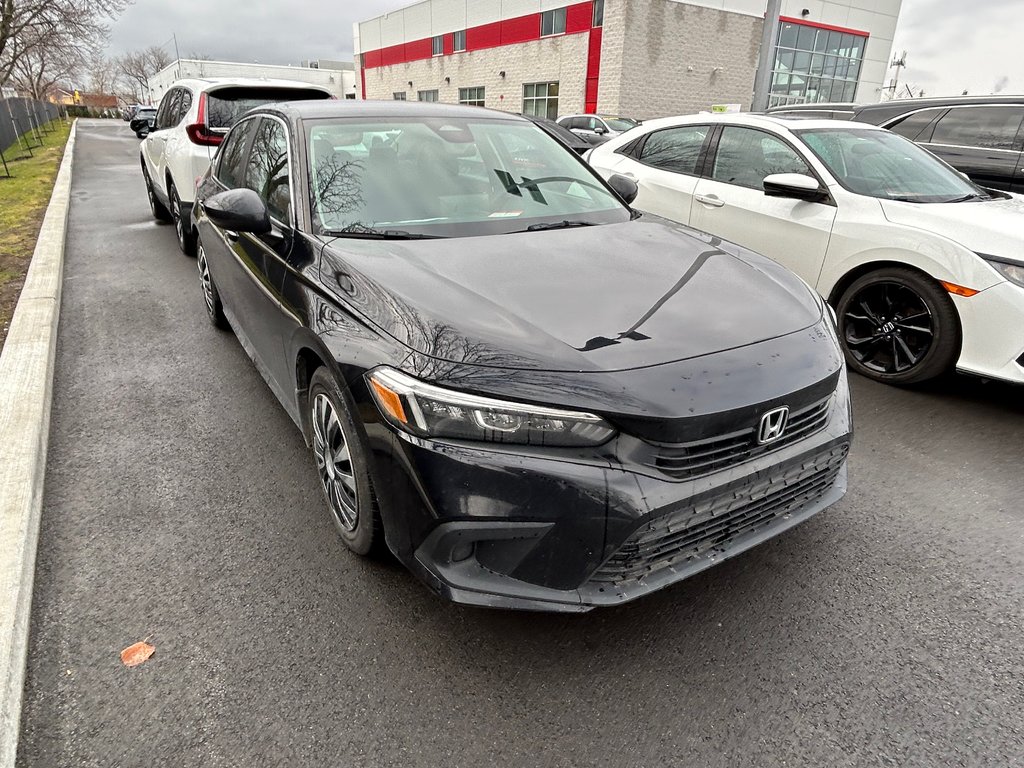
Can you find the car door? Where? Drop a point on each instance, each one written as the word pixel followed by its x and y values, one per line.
pixel 730 202
pixel 224 253
pixel 155 143
pixel 981 141
pixel 665 164
pixel 266 256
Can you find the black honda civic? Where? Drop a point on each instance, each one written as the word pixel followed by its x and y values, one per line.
pixel 532 395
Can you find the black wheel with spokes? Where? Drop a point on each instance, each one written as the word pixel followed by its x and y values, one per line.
pixel 211 297
pixel 340 456
pixel 182 229
pixel 898 326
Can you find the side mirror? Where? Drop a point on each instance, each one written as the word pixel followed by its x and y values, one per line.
pixel 624 187
pixel 240 210
pixel 600 130
pixel 795 185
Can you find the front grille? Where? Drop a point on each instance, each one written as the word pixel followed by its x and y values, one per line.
pixel 685 461
pixel 714 523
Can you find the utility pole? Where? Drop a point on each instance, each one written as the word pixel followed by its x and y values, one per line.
pixel 177 57
pixel 899 64
pixel 766 58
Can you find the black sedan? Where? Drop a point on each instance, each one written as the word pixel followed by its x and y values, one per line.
pixel 532 396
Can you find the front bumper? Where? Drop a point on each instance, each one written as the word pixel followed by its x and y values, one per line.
pixel 993 332
pixel 497 528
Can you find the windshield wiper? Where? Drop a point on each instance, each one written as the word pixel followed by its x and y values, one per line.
pixel 558 225
pixel 966 198
pixel 385 234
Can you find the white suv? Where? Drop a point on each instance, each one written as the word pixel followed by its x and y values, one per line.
pixel 193 117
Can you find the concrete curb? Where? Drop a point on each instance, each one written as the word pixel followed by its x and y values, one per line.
pixel 26 390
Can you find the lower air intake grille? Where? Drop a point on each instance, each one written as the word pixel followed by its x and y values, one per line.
pixel 714 523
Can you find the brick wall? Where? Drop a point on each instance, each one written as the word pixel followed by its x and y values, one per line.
pixel 663 58
pixel 562 59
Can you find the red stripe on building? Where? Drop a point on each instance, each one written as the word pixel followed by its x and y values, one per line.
pixel 362 77
pixel 521 29
pixel 819 25
pixel 593 70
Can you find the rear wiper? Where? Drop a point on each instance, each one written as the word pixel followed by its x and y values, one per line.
pixel 385 234
pixel 558 225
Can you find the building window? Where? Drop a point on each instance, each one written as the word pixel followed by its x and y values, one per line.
pixel 437 45
pixel 398 95
pixel 552 22
pixel 598 13
pixel 426 96
pixel 460 40
pixel 474 97
pixel 541 100
pixel 815 65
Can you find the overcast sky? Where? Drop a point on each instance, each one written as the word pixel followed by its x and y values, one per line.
pixel 951 45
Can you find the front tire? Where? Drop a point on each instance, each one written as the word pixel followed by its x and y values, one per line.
pixel 211 297
pixel 898 326
pixel 160 213
pixel 340 456
pixel 186 237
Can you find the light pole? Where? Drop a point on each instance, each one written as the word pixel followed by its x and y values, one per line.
pixel 766 58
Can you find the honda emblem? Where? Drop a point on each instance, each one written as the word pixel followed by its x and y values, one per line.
pixel 773 424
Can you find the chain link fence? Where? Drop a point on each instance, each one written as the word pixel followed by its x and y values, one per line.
pixel 22 125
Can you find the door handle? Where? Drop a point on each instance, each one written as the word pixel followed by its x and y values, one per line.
pixel 231 235
pixel 711 200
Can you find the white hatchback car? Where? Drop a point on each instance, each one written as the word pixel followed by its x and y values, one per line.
pixel 191 121
pixel 924 269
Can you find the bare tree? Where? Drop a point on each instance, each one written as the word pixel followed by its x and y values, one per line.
pixel 43 67
pixel 136 67
pixel 29 25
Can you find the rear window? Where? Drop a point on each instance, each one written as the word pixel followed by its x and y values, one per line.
pixel 226 105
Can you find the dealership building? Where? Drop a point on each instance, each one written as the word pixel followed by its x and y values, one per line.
pixel 640 58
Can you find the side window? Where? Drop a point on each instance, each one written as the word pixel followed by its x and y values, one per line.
pixel 745 156
pixel 593 124
pixel 986 127
pixel 266 173
pixel 183 105
pixel 918 126
pixel 168 108
pixel 232 155
pixel 675 149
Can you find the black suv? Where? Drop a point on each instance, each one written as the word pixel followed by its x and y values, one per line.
pixel 981 136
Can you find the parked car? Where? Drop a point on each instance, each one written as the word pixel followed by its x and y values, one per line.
pixel 564 135
pixel 142 121
pixel 923 267
pixel 981 136
pixel 597 129
pixel 532 396
pixel 190 123
pixel 839 110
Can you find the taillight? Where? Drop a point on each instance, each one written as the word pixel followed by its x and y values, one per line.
pixel 199 132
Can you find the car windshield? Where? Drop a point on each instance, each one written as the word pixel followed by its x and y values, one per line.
pixel 885 165
pixel 449 177
pixel 620 123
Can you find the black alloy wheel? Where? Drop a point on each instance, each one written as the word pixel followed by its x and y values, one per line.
pixel 160 213
pixel 340 457
pixel 898 326
pixel 186 237
pixel 211 297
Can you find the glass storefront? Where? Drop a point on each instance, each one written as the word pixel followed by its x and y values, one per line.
pixel 815 65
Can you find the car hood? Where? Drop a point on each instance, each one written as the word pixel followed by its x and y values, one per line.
pixel 986 226
pixel 603 298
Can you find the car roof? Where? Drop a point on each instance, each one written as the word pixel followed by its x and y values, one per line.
pixel 328 108
pixel 939 101
pixel 207 83
pixel 752 119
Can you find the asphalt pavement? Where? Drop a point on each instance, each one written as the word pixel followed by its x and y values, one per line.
pixel 181 507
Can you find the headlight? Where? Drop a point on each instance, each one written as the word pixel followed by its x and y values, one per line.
pixel 428 411
pixel 1011 271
